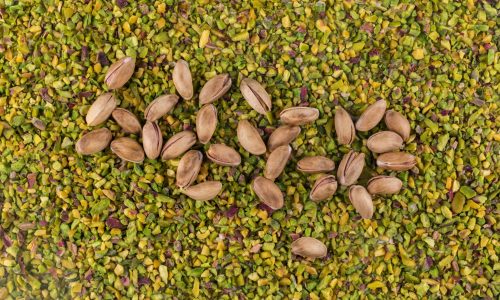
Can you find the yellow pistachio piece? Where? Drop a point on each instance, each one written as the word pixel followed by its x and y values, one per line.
pixel 127 120
pixel 249 138
pixel 361 200
pixel 215 88
pixel 276 161
pixel 323 188
pixel 396 161
pixel 203 191
pixel 223 155
pixel 206 123
pixel 152 139
pixel 299 115
pixel 178 144
pixel 101 109
pixel 93 141
pixel 268 192
pixel 127 149
pixel 256 95
pixel 384 141
pixel 350 168
pixel 315 164
pixel 188 168
pixel 344 127
pixel 309 247
pixel 120 72
pixel 371 116
pixel 160 106
pixel 384 185
pixel 396 122
pixel 183 81
pixel 283 135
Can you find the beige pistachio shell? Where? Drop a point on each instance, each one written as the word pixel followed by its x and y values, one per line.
pixel 206 123
pixel 396 122
pixel 299 115
pixel 203 191
pixel 93 141
pixel 268 192
pixel 178 144
pixel 396 161
pixel 344 127
pixel 160 107
pixel 384 185
pixel 188 168
pixel 215 88
pixel 183 81
pixel 362 201
pixel 371 116
pixel 323 188
pixel 256 95
pixel 128 149
pixel 249 138
pixel 384 141
pixel 309 247
pixel 350 168
pixel 120 72
pixel 223 155
pixel 276 162
pixel 315 164
pixel 127 120
pixel 101 109
pixel 283 135
pixel 152 139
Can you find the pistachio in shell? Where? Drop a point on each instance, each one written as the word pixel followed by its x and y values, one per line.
pixel 384 185
pixel 215 88
pixel 344 127
pixel 127 120
pixel 128 149
pixel 396 122
pixel 203 191
pixel 249 138
pixel 384 141
pixel 94 141
pixel 323 188
pixel 276 161
pixel 101 109
pixel 188 168
pixel 183 81
pixel 152 139
pixel 309 247
pixel 206 123
pixel 160 106
pixel 283 135
pixel 396 161
pixel 119 73
pixel 371 116
pixel 268 192
pixel 256 95
pixel 361 200
pixel 178 144
pixel 299 115
pixel 350 168
pixel 315 164
pixel 223 155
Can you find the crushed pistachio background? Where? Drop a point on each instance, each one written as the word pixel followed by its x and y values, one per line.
pixel 88 227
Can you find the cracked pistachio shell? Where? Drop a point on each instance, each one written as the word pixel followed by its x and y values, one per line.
pixel 223 155
pixel 215 88
pixel 249 138
pixel 396 161
pixel 94 141
pixel 350 168
pixel 309 247
pixel 101 109
pixel 120 72
pixel 183 81
pixel 160 106
pixel 323 188
pixel 344 127
pixel 276 161
pixel 371 116
pixel 384 185
pixel 384 141
pixel 127 120
pixel 299 115
pixel 268 192
pixel 256 95
pixel 361 200
pixel 178 144
pixel 315 164
pixel 188 168
pixel 206 123
pixel 128 149
pixel 203 191
pixel 152 140
pixel 283 135
pixel 396 122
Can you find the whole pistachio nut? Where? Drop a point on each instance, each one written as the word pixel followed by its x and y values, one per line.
pixel 384 141
pixel 283 135
pixel 223 155
pixel 309 247
pixel 323 188
pixel 203 191
pixel 256 95
pixel 361 200
pixel 101 109
pixel 93 141
pixel 215 88
pixel 188 168
pixel 350 168
pixel 268 192
pixel 178 144
pixel 371 116
pixel 152 139
pixel 396 161
pixel 299 115
pixel 160 106
pixel 127 120
pixel 344 127
pixel 315 164
pixel 182 79
pixel 384 185
pixel 249 138
pixel 276 162
pixel 127 149
pixel 396 122
pixel 206 123
pixel 120 72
